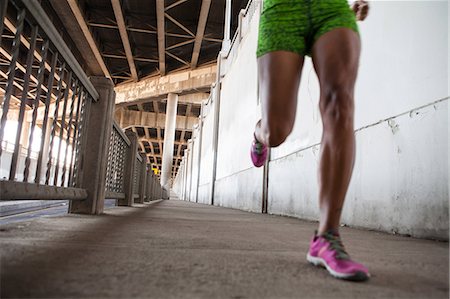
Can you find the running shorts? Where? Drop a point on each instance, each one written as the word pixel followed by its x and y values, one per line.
pixel 294 25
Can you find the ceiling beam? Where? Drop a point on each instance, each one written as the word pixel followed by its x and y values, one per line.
pixel 161 36
pixel 156 140
pixel 132 118
pixel 204 12
pixel 179 25
pixel 182 82
pixel 124 36
pixel 158 132
pixel 124 57
pixel 175 4
pixel 178 58
pixel 180 44
pixel 88 35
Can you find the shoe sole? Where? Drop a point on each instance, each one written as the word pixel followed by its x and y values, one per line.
pixel 319 262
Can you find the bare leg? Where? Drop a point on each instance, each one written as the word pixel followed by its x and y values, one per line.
pixel 336 57
pixel 279 77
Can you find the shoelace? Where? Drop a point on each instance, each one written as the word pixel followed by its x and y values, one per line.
pixel 336 244
pixel 258 147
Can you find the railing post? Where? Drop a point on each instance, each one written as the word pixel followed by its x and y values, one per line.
pixel 148 186
pixel 94 162
pixel 143 178
pixel 129 170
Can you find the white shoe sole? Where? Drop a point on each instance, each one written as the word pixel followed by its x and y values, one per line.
pixel 357 276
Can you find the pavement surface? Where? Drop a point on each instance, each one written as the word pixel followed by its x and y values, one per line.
pixel 176 249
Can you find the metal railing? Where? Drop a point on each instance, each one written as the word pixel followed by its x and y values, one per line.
pixel 118 146
pixel 137 175
pixel 55 107
pixel 44 90
pixel 123 159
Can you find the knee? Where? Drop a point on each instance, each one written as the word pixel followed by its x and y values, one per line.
pixel 277 133
pixel 337 107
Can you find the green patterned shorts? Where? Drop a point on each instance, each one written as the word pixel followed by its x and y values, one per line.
pixel 294 25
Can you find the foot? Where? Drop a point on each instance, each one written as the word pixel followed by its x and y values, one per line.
pixel 258 153
pixel 327 251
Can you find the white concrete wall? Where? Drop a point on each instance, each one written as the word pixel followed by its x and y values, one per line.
pixel 400 183
pixel 207 155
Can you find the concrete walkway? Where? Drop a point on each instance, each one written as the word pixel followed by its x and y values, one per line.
pixel 174 249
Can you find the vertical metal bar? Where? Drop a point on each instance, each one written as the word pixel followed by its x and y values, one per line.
pixel 44 125
pixel 82 135
pixel 3 8
pixel 37 100
pixel 69 131
pixel 75 136
pixel 55 119
pixel 62 127
pixel 12 71
pixel 115 148
pixel 26 85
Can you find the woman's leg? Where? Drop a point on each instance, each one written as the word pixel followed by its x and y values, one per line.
pixel 279 77
pixel 336 57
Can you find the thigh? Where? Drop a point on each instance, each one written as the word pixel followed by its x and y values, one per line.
pixel 336 57
pixel 278 78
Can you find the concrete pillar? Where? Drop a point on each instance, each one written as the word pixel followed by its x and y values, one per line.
pixel 130 163
pixel 169 138
pixel 143 180
pixel 94 157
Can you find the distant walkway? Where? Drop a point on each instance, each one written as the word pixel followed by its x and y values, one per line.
pixel 175 249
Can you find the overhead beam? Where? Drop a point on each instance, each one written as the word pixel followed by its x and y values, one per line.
pixel 177 58
pixel 175 4
pixel 160 156
pixel 124 36
pixel 179 25
pixel 204 12
pixel 130 118
pixel 87 34
pixel 150 140
pixel 125 57
pixel 161 36
pixel 185 82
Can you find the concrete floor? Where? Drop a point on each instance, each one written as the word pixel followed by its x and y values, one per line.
pixel 174 249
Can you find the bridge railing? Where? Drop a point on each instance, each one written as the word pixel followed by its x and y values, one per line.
pixel 57 133
pixel 45 101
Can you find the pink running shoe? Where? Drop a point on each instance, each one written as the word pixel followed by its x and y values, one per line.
pixel 327 251
pixel 258 153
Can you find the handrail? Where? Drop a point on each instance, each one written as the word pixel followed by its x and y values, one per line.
pixel 44 22
pixel 121 133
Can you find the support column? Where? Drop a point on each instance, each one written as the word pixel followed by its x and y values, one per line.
pixel 143 180
pixel 169 138
pixel 98 132
pixel 129 170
